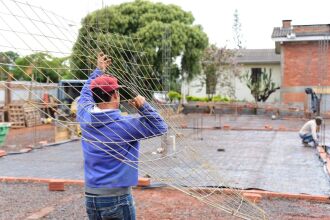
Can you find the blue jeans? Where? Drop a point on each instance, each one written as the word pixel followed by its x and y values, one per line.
pixel 110 208
pixel 307 138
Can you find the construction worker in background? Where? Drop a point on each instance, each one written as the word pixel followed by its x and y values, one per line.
pixel 110 143
pixel 309 132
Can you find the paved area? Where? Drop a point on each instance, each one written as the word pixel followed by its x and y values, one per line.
pixel 268 160
pixel 272 161
pixel 60 161
pixel 242 121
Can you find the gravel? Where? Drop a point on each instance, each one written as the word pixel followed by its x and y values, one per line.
pixel 20 200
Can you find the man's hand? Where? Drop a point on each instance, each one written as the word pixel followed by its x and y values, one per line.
pixel 316 143
pixel 138 101
pixel 103 62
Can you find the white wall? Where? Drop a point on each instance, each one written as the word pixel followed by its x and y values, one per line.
pixel 195 87
pixel 242 92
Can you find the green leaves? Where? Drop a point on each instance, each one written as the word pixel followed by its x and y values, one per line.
pixel 215 63
pixel 7 59
pixel 41 67
pixel 145 23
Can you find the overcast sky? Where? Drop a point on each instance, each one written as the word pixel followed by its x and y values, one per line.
pixel 258 17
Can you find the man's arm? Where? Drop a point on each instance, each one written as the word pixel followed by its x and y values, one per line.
pixel 314 134
pixel 155 124
pixel 149 124
pixel 86 101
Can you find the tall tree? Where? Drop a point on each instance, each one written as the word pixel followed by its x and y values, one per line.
pixel 7 59
pixel 217 64
pixel 40 67
pixel 237 31
pixel 142 20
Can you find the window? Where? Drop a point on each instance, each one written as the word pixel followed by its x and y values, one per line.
pixel 255 75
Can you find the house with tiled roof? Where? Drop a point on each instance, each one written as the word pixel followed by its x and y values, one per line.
pixel 300 60
pixel 305 60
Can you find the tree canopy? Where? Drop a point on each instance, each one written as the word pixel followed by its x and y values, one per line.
pixel 146 21
pixel 217 66
pixel 7 59
pixel 41 67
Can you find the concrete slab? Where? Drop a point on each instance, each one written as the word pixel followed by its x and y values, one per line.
pixel 267 160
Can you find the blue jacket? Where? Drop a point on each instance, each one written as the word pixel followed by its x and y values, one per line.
pixel 108 138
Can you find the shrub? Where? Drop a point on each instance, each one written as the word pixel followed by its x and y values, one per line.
pixel 217 98
pixel 197 99
pixel 173 95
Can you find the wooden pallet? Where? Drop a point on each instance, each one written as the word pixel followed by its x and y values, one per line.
pixel 16 115
pixel 21 115
pixel 32 115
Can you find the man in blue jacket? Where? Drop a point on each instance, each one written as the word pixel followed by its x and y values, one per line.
pixel 110 144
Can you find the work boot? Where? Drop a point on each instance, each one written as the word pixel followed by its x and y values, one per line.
pixel 305 144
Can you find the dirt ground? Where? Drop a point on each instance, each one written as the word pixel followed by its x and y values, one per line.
pixel 33 137
pixel 21 200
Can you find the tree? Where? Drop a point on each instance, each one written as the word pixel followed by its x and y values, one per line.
pixel 217 64
pixel 7 59
pixel 40 67
pixel 261 86
pixel 237 31
pixel 146 21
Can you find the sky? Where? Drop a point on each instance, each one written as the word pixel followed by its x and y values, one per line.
pixel 258 17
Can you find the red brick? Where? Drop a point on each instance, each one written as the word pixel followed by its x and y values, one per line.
pixel 143 181
pixel 282 128
pixel 43 180
pixel 268 194
pixel 56 185
pixel 2 153
pixel 323 156
pixel 24 179
pixel 74 182
pixel 8 179
pixel 268 127
pixel 253 197
pixel 301 61
pixel 293 97
pixel 184 125
pixel 226 127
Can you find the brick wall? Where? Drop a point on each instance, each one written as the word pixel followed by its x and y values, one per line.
pixel 294 97
pixel 302 67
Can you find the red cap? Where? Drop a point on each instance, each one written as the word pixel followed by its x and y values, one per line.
pixel 104 82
